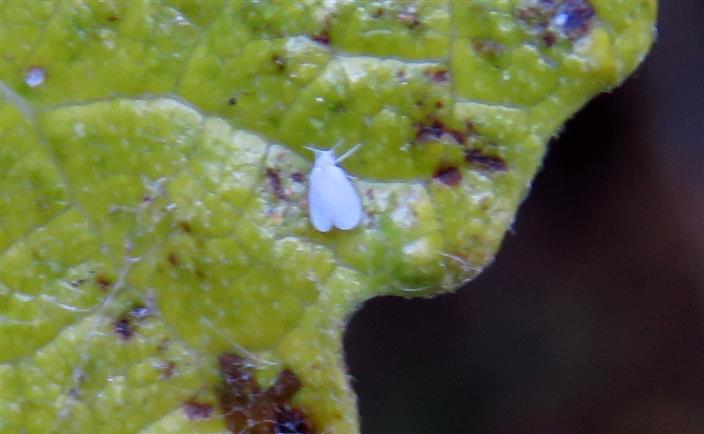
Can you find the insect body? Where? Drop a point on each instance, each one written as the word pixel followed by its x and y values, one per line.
pixel 332 199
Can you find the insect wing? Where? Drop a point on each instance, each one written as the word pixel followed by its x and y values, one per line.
pixel 319 206
pixel 345 204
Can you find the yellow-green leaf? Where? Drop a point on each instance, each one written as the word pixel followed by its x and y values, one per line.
pixel 159 273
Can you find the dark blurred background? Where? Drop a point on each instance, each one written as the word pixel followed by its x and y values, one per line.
pixel 591 319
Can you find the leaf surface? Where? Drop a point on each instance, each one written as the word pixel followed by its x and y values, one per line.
pixel 159 271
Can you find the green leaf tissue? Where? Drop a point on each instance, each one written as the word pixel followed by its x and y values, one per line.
pixel 196 195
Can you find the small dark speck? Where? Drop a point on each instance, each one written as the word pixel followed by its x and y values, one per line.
pixel 232 101
pixel 292 421
pixel 411 20
pixel 437 130
pixel 488 48
pixel 123 328
pixel 379 12
pixel 279 62
pixel 199 273
pixel 574 17
pixel 185 226
pixel 195 410
pixel 549 38
pixel 113 18
pixel 490 163
pixel 275 181
pixel 140 311
pixel 173 259
pixel 323 37
pixel 439 75
pixel 76 283
pixel 448 175
pixel 167 370
pixel 103 282
pixel 298 177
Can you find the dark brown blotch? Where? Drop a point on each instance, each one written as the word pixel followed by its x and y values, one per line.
pixel 275 181
pixel 448 175
pixel 284 388
pixel 196 410
pixel 113 18
pixel 248 408
pixel 290 420
pixel 549 38
pixel 490 163
pixel 232 101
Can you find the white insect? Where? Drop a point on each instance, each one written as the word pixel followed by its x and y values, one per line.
pixel 332 199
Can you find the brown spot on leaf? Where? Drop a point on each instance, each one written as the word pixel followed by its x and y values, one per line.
pixel 196 410
pixel 571 18
pixel 549 38
pixel 487 48
pixel 113 18
pixel 285 386
pixel 448 175
pixel 248 409
pixel 378 13
pixel 574 18
pixel 103 282
pixel 292 421
pixel 279 62
pixel 141 311
pixel 438 75
pixel 323 36
pixel 199 273
pixel 298 177
pixel 436 130
pixel 232 101
pixel 123 328
pixel 486 162
pixel 409 19
pixel 275 180
pixel 163 345
pixel 167 369
pixel 185 226
pixel 173 259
